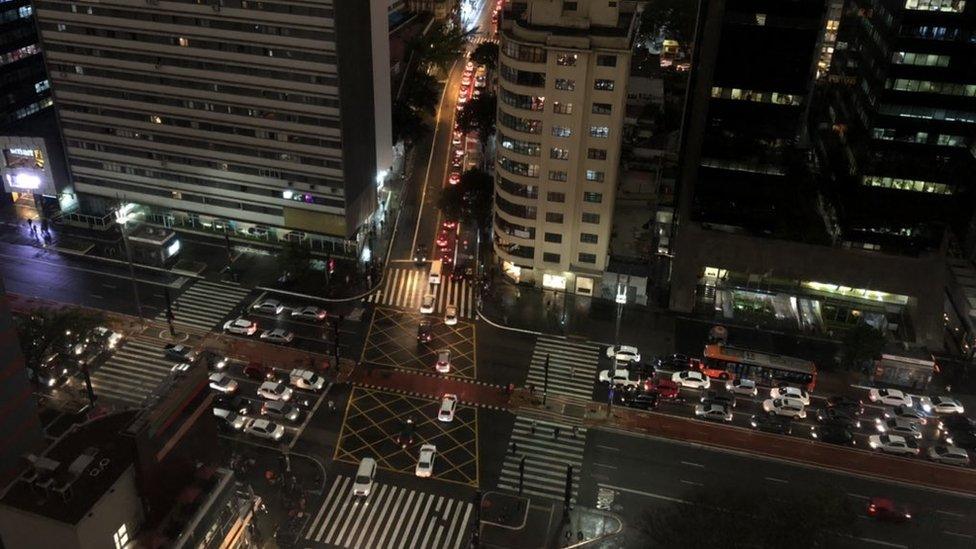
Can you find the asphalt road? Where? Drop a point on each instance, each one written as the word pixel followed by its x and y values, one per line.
pixel 638 473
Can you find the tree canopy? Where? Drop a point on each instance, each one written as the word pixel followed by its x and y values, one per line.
pixel 478 116
pixel 668 19
pixel 861 344
pixel 470 199
pixel 295 259
pixel 47 331
pixel 408 123
pixel 439 47
pixel 486 53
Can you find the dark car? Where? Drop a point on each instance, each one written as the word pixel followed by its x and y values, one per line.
pixel 181 353
pixel 834 433
pixel 957 422
pixel 420 254
pixel 838 416
pixel 237 404
pixel 259 372
pixel 772 423
pixel 405 437
pixel 642 400
pixel 726 399
pixel 853 406
pixel 424 333
pixel 963 438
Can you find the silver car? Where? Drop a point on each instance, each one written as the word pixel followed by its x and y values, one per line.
pixel 949 455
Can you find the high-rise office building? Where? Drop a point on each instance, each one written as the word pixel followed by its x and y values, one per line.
pixel 770 228
pixel 899 124
pixel 230 114
pixel 32 163
pixel 563 69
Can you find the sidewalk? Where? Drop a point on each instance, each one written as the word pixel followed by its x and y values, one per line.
pixel 512 521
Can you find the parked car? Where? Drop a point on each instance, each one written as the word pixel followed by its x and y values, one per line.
pixel 448 406
pixel 237 404
pixel 425 461
pixel 790 407
pixel 905 412
pixel 741 386
pixel 306 379
pixel 277 335
pixel 269 306
pixel 691 379
pixel 772 423
pixel 241 326
pixel 263 428
pixel 949 455
pixel 622 377
pixel 893 444
pixel 274 390
pixel 310 313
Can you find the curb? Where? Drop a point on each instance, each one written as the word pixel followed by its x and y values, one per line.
pixel 504 327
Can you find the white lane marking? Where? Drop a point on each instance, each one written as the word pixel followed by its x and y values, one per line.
pixel 611 448
pixel 950 513
pixel 691 482
pixel 957 534
pixel 640 493
pixel 607 466
pixel 774 479
pixel 858 496
pixel 885 543
pixel 692 464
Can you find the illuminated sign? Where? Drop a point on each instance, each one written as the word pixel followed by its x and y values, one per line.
pixel 173 248
pixel 25 181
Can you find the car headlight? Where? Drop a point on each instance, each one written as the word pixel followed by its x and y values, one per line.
pixel 51 382
pixel 873 444
pixel 813 434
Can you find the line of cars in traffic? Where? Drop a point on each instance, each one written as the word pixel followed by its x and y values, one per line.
pixel 78 349
pixel 902 423
pixel 246 327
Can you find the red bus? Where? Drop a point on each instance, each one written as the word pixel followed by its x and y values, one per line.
pixel 763 368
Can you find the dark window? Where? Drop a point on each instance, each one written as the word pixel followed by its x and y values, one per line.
pixel 602 108
pixel 554 217
pixel 556 197
pixel 555 238
pixel 555 175
pixel 589 238
pixel 587 258
pixel 596 154
pixel 606 60
pixel 570 6
pixel 595 198
pixel 591 217
pixel 550 258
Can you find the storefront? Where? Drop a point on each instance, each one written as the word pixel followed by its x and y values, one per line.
pixel 26 173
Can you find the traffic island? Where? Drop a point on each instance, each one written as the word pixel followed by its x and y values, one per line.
pixel 513 521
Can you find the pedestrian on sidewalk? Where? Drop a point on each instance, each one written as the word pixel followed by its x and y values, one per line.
pixel 575 430
pixel 514 448
pixel 555 433
pixel 533 427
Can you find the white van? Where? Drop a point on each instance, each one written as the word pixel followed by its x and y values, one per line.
pixel 435 271
pixel 363 482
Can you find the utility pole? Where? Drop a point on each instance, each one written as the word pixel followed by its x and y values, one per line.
pixel 122 219
pixel 170 317
pixel 621 300
pixel 545 381
pixel 88 386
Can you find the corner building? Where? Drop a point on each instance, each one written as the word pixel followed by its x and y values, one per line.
pixel 563 69
pixel 225 113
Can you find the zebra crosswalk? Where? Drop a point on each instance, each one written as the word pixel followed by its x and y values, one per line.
pixel 133 372
pixel 205 304
pixel 406 288
pixel 572 366
pixel 548 449
pixel 381 519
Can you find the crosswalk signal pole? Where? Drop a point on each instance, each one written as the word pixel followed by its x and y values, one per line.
pixel 170 317
pixel 545 381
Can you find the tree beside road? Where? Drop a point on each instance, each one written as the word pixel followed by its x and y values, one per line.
pixel 45 332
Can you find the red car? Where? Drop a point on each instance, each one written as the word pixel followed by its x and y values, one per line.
pixel 258 371
pixel 665 388
pixel 454 178
pixel 449 224
pixel 442 240
pixel 885 509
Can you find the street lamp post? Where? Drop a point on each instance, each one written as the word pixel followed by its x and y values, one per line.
pixel 121 218
pixel 621 300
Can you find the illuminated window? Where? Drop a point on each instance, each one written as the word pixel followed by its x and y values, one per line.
pixel 560 131
pixel 560 107
pixel 156 119
pixel 121 537
pixel 559 154
pixel 183 42
pixel 603 84
pixel 913 185
pixel 593 175
pixel 565 84
pixel 566 59
pixel 599 131
pixel 761 19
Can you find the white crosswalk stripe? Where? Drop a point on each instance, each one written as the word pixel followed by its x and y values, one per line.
pixel 391 516
pixel 572 366
pixel 546 458
pixel 406 288
pixel 205 304
pixel 133 372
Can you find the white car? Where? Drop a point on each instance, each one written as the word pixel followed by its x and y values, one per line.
pixel 788 407
pixel 949 455
pixel 899 426
pixel 278 335
pixel 232 419
pixel 310 313
pixel 443 364
pixel 265 429
pixel 425 461
pixel 306 379
pixel 745 387
pixel 905 412
pixel 109 339
pixel 718 412
pixel 941 405
pixel 427 304
pixel 889 397
pixel 625 353
pixel 270 306
pixel 363 481
pixel 450 315
pixel 222 382
pixel 893 444
pixel 275 390
pixel 241 326
pixel 621 377
pixel 691 379
pixel 281 410
pixel 448 405
pixel 785 391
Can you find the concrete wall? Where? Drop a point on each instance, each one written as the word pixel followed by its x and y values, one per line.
pixel 120 505
pixel 19 530
pixel 922 278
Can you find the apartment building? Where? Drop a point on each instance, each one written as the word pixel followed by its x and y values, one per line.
pixel 563 70
pixel 261 118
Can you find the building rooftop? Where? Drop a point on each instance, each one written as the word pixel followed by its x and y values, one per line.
pixel 76 471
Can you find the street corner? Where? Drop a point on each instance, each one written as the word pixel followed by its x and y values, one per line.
pixel 375 425
pixel 394 342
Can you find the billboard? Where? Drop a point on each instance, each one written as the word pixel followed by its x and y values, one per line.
pixel 25 170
